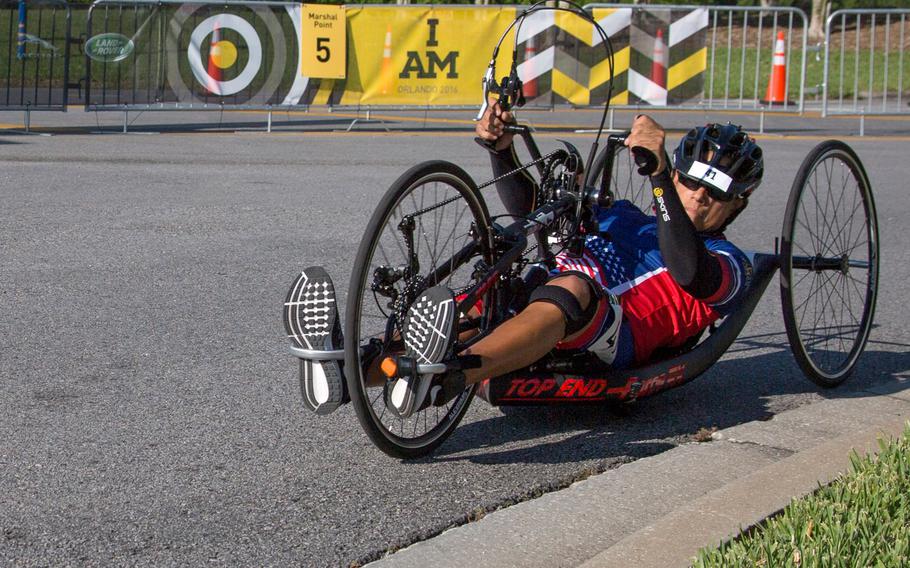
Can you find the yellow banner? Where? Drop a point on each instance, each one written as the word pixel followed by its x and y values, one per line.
pixel 423 55
pixel 322 41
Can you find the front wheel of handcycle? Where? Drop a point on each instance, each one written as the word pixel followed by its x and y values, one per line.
pixel 829 263
pixel 429 229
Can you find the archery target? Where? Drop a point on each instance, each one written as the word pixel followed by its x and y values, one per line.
pixel 253 60
pixel 253 64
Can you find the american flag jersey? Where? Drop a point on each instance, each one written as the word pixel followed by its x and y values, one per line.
pixel 625 260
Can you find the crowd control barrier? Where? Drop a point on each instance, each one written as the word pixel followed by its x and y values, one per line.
pixel 864 62
pixel 248 55
pixel 34 59
pixel 170 54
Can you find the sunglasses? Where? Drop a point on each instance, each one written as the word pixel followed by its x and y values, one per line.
pixel 713 192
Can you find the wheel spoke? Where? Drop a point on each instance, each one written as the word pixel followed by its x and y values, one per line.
pixel 827 311
pixel 443 209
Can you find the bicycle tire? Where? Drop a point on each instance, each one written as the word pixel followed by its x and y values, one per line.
pixel 829 263
pixel 462 218
pixel 624 182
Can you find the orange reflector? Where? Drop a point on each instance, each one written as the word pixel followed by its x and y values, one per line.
pixel 389 367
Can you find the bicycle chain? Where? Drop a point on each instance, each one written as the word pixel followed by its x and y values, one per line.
pixel 483 185
pixel 519 169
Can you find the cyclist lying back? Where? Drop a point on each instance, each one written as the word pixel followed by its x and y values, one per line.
pixel 643 283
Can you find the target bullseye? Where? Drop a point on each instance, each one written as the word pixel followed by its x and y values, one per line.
pixel 224 54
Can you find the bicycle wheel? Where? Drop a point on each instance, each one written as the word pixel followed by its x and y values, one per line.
pixel 435 206
pixel 624 183
pixel 829 263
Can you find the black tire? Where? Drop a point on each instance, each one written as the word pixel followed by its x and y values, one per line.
pixel 625 182
pixel 453 215
pixel 829 263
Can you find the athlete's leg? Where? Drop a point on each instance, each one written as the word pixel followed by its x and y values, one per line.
pixel 528 336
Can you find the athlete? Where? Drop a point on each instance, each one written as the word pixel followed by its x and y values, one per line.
pixel 643 284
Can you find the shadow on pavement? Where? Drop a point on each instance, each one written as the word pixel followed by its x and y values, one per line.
pixel 734 391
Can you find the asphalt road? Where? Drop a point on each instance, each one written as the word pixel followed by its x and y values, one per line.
pixel 149 411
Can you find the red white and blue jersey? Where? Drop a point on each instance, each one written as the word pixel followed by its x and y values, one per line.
pixel 625 260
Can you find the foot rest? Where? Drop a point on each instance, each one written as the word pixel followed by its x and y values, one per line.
pixel 316 354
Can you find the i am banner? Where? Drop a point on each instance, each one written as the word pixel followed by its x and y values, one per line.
pixel 422 55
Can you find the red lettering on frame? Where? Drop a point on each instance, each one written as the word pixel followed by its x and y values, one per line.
pixel 597 387
pixel 545 386
pixel 529 387
pixel 513 386
pixel 567 387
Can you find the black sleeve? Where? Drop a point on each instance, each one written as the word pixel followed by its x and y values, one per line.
pixel 518 191
pixel 696 270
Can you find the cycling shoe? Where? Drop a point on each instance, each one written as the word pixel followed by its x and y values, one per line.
pixel 311 321
pixel 429 334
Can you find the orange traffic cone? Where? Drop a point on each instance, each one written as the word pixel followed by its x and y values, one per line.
pixel 214 67
pixel 529 87
pixel 385 75
pixel 659 61
pixel 776 94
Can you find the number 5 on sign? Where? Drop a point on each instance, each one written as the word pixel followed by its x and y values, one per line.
pixel 323 43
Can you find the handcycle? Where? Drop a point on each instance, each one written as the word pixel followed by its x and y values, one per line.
pixel 433 227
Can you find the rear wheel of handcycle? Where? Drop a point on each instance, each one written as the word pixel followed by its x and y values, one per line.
pixel 437 207
pixel 829 263
pixel 625 183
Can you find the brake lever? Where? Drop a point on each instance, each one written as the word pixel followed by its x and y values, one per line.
pixel 488 77
pixel 509 93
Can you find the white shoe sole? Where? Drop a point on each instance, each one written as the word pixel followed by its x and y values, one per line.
pixel 310 318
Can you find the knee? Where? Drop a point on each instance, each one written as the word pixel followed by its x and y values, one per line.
pixel 573 296
pixel 577 286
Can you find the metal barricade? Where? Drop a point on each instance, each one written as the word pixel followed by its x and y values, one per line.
pixel 242 55
pixel 212 54
pixel 717 57
pixel 864 62
pixel 35 64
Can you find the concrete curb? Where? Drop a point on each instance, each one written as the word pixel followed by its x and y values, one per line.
pixel 723 513
pixel 659 511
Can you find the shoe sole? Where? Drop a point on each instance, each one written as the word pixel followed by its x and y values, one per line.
pixel 429 330
pixel 310 318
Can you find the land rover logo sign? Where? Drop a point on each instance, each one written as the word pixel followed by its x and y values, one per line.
pixel 109 47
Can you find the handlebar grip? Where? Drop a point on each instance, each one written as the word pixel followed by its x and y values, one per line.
pixel 645 160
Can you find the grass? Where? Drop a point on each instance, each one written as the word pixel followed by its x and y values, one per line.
pixel 861 519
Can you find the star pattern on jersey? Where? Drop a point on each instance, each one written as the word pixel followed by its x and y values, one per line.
pixel 615 272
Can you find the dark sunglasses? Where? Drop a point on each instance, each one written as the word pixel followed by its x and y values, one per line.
pixel 716 194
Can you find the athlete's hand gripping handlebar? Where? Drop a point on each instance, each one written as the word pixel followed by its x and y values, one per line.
pixel 509 93
pixel 645 140
pixel 645 159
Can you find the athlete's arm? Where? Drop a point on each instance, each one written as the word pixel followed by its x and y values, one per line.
pixel 517 191
pixel 696 270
